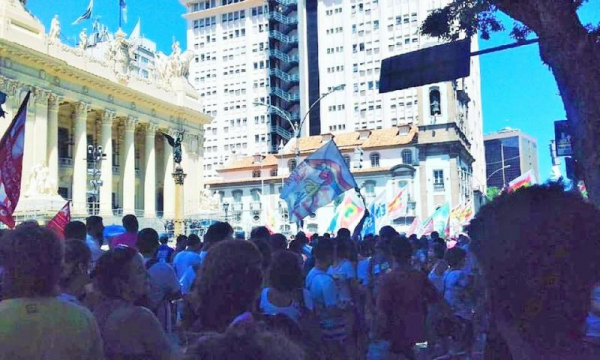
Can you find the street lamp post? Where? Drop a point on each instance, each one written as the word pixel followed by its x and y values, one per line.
pixel 297 127
pixel 95 155
pixel 226 208
pixel 503 176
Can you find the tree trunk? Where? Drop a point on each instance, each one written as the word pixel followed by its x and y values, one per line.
pixel 573 55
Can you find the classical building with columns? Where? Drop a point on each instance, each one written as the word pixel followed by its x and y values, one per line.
pixel 78 101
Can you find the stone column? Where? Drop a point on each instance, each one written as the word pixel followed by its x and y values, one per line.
pixel 29 145
pixel 79 189
pixel 106 174
pixel 52 139
pixel 41 127
pixel 169 184
pixel 128 174
pixel 150 172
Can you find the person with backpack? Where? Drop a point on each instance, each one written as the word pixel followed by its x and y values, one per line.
pixel 164 286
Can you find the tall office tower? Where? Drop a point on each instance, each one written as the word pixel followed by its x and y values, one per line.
pixel 345 42
pixel 509 153
pixel 245 56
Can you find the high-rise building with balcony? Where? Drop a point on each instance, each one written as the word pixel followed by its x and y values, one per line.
pixel 246 55
pixel 288 53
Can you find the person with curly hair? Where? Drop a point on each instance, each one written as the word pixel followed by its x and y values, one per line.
pixel 129 331
pixel 34 323
pixel 538 250
pixel 229 282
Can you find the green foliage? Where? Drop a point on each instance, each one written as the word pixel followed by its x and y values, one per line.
pixel 492 192
pixel 462 17
pixel 470 17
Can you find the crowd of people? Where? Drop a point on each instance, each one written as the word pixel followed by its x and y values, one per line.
pixel 521 283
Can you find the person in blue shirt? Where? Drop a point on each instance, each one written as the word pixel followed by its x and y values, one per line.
pixel 164 253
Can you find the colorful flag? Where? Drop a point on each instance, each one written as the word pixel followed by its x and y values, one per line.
pixel 318 180
pixel 525 180
pixel 351 211
pixel 427 227
pixel 415 227
pixel 398 206
pixel 440 218
pixel 86 15
pixel 12 147
pixel 377 215
pixel 60 220
pixel 268 216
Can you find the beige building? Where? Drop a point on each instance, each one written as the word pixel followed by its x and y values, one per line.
pixel 434 162
pixel 77 101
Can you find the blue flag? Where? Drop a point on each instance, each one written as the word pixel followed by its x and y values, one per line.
pixel 86 15
pixel 318 180
pixel 123 6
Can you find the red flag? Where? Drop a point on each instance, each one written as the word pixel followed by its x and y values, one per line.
pixel 12 147
pixel 428 228
pixel 414 227
pixel 61 219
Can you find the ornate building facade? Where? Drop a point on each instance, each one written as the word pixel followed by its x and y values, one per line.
pixel 80 101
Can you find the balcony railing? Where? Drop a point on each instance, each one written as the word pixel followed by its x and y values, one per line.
pixel 238 206
pixel 289 97
pixel 283 56
pixel 438 186
pixel 288 39
pixel 281 132
pixel 287 20
pixel 289 78
pixel 255 205
pixel 65 162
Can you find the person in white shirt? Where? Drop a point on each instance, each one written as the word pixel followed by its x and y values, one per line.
pixel 95 237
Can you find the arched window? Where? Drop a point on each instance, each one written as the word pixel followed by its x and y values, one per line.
pixel 255 194
pixel 347 159
pixel 256 173
pixel 435 104
pixel 407 157
pixel 292 165
pixel 369 187
pixel 374 160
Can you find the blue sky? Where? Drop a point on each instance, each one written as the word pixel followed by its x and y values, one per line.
pixel 518 90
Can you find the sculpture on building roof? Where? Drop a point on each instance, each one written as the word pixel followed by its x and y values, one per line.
pixel 54 34
pixel 83 39
pixel 176 65
pixel 121 52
